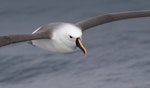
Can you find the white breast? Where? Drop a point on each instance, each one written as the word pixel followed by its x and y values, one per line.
pixel 51 45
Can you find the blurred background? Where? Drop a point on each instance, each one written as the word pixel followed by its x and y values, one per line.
pixel 118 52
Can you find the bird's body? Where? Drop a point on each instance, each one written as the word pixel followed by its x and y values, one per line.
pixel 60 40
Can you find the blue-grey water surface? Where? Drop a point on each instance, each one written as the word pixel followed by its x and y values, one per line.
pixel 118 52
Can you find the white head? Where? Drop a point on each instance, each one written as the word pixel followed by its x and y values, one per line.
pixel 65 37
pixel 69 37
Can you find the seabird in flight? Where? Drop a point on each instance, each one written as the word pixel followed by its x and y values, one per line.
pixel 66 37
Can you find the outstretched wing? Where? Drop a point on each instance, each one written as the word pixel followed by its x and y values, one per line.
pixel 95 21
pixel 9 39
pixel 85 24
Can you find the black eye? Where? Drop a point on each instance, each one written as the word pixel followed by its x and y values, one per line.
pixel 70 36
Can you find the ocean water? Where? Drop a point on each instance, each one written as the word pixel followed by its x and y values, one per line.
pixel 118 52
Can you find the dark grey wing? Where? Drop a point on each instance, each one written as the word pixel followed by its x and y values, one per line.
pixel 44 32
pixel 95 21
pixel 5 40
